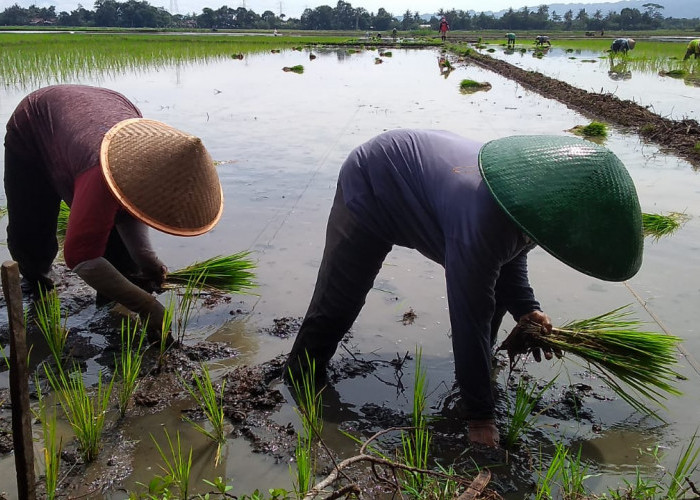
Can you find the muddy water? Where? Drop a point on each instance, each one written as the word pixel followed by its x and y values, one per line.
pixel 283 137
pixel 596 72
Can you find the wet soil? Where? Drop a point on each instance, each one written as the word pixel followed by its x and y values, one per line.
pixel 252 397
pixel 681 137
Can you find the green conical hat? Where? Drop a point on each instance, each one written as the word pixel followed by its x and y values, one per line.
pixel 573 197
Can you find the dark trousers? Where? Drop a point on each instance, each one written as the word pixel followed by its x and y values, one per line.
pixel 32 208
pixel 352 258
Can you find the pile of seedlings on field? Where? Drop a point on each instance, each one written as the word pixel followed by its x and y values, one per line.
pixel 678 136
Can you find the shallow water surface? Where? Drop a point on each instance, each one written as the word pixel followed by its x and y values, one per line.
pixel 589 70
pixel 282 138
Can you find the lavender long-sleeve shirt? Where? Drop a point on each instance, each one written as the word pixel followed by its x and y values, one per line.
pixel 422 189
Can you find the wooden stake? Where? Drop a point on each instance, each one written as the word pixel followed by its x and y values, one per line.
pixel 19 384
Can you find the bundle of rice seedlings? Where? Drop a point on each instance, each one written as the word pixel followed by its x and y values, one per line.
pixel 658 225
pixel 616 349
pixel 224 273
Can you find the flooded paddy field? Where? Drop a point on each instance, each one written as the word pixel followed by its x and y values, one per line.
pixel 281 138
pixel 637 77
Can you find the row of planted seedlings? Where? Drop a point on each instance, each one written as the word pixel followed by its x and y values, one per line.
pixel 411 470
pixel 30 60
pixel 86 409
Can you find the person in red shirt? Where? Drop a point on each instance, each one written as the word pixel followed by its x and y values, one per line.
pixel 444 28
pixel 119 173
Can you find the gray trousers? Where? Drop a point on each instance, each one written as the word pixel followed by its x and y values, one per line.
pixel 352 258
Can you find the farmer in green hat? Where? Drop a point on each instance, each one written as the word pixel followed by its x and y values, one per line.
pixel 477 210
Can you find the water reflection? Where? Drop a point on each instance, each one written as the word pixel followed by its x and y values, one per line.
pixel 619 71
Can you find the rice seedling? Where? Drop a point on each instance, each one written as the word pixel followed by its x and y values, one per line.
pixel 62 222
pixel 185 305
pixel 520 417
pixel 211 403
pixel 129 364
pixel 225 273
pixel 469 86
pixel 658 225
pixel 416 443
pixel 616 349
pixel 52 445
pixel 595 129
pixel 86 414
pixel 51 323
pixel 573 473
pixel 176 466
pixel 546 485
pixel 298 69
pixel 168 315
pixel 686 466
pixel 564 475
pixel 309 409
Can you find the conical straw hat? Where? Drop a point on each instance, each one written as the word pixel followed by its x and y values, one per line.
pixel 573 197
pixel 162 176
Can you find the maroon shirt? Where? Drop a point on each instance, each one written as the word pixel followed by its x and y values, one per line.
pixel 62 127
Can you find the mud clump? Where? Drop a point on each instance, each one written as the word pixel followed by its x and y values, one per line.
pixel 284 327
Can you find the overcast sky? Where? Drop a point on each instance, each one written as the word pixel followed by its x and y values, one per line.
pixel 294 8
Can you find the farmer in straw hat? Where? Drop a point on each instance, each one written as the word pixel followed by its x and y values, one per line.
pixel 477 210
pixel 119 173
pixel 622 45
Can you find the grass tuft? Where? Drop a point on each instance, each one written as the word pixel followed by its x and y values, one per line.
pixel 658 225
pixel 211 403
pixel 128 366
pixel 51 323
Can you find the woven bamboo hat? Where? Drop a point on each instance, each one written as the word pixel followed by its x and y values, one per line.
pixel 162 176
pixel 574 198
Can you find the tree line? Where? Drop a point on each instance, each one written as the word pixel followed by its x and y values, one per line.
pixel 140 14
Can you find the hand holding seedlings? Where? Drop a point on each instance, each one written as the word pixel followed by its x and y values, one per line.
pixel 526 337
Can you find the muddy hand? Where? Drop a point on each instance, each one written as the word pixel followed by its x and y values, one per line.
pixel 526 335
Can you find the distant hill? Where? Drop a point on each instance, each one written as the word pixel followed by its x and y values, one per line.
pixel 689 9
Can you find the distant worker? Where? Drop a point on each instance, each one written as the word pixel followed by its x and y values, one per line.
pixel 444 28
pixel 693 48
pixel 511 39
pixel 622 45
pixel 394 34
pixel 542 40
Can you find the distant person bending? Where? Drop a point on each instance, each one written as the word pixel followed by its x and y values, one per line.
pixel 510 37
pixel 542 40
pixel 693 49
pixel 622 45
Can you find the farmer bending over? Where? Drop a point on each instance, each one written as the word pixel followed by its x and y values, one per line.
pixel 118 172
pixel 477 210
pixel 622 45
pixel 693 49
pixel 510 37
pixel 542 40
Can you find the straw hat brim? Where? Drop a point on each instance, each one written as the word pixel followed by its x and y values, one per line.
pixel 162 176
pixel 573 197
